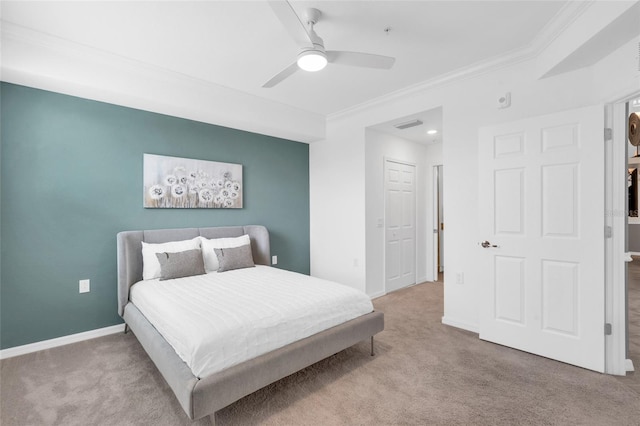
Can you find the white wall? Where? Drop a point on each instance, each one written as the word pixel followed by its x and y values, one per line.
pixel 338 236
pixel 378 147
pixel 336 206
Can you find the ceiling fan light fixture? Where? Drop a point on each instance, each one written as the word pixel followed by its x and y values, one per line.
pixel 312 60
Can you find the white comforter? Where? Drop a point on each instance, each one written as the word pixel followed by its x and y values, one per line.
pixel 217 320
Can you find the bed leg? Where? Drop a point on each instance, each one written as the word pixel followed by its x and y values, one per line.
pixel 126 328
pixel 212 419
pixel 372 353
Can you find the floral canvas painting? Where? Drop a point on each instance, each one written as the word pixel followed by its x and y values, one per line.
pixel 173 182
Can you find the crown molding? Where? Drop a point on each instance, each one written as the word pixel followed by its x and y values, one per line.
pixel 566 16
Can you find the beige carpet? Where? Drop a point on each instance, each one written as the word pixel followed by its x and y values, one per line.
pixel 424 373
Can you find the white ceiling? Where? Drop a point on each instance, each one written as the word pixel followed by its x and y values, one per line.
pixel 241 44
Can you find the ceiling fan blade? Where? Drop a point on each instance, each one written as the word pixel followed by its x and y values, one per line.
pixel 281 75
pixel 357 59
pixel 292 23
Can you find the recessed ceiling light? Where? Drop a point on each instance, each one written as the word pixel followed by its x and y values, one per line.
pixel 432 132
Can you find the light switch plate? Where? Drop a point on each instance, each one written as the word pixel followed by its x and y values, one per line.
pixel 84 286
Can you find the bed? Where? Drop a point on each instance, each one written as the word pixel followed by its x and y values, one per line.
pixel 203 394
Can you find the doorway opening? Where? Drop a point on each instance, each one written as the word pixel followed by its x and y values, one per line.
pixel 621 316
pixel 631 120
pixel 421 146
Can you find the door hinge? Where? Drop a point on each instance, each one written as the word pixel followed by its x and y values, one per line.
pixel 607 329
pixel 608 134
pixel 608 232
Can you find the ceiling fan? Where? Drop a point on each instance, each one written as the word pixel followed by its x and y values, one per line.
pixel 313 56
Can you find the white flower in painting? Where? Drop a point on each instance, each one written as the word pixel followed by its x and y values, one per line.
pixel 193 175
pixel 178 191
pixel 228 184
pixel 227 175
pixel 183 180
pixel 235 186
pixel 234 195
pixel 205 195
pixel 220 183
pixel 218 199
pixel 193 189
pixel 156 192
pixel 170 180
pixel 201 183
pixel 225 193
pixel 179 169
pixel 228 203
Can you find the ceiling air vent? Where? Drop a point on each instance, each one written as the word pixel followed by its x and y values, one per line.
pixel 412 123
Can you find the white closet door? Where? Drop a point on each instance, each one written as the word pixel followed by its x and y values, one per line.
pixel 400 225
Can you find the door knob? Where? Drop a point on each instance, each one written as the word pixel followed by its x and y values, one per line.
pixel 487 244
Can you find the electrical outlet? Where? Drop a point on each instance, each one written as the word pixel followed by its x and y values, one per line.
pixel 84 286
pixel 460 278
pixel 274 260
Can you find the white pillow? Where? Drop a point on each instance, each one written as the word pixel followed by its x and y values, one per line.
pixel 150 264
pixel 209 254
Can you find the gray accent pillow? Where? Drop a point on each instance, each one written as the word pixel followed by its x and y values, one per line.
pixel 234 258
pixel 182 264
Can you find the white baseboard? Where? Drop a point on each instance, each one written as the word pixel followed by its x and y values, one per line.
pixel 376 295
pixel 461 324
pixel 629 365
pixel 60 341
pixel 634 253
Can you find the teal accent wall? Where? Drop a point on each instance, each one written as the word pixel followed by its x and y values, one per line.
pixel 71 174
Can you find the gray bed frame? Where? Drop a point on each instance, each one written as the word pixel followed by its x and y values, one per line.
pixel 203 396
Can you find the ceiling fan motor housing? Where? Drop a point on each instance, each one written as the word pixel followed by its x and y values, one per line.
pixel 313 15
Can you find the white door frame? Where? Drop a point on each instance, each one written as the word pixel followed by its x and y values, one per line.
pixel 436 224
pixel 616 195
pixel 415 227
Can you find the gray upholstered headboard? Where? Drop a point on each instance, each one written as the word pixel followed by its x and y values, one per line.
pixel 130 249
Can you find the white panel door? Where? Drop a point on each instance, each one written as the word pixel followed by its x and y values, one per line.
pixel 541 199
pixel 400 225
